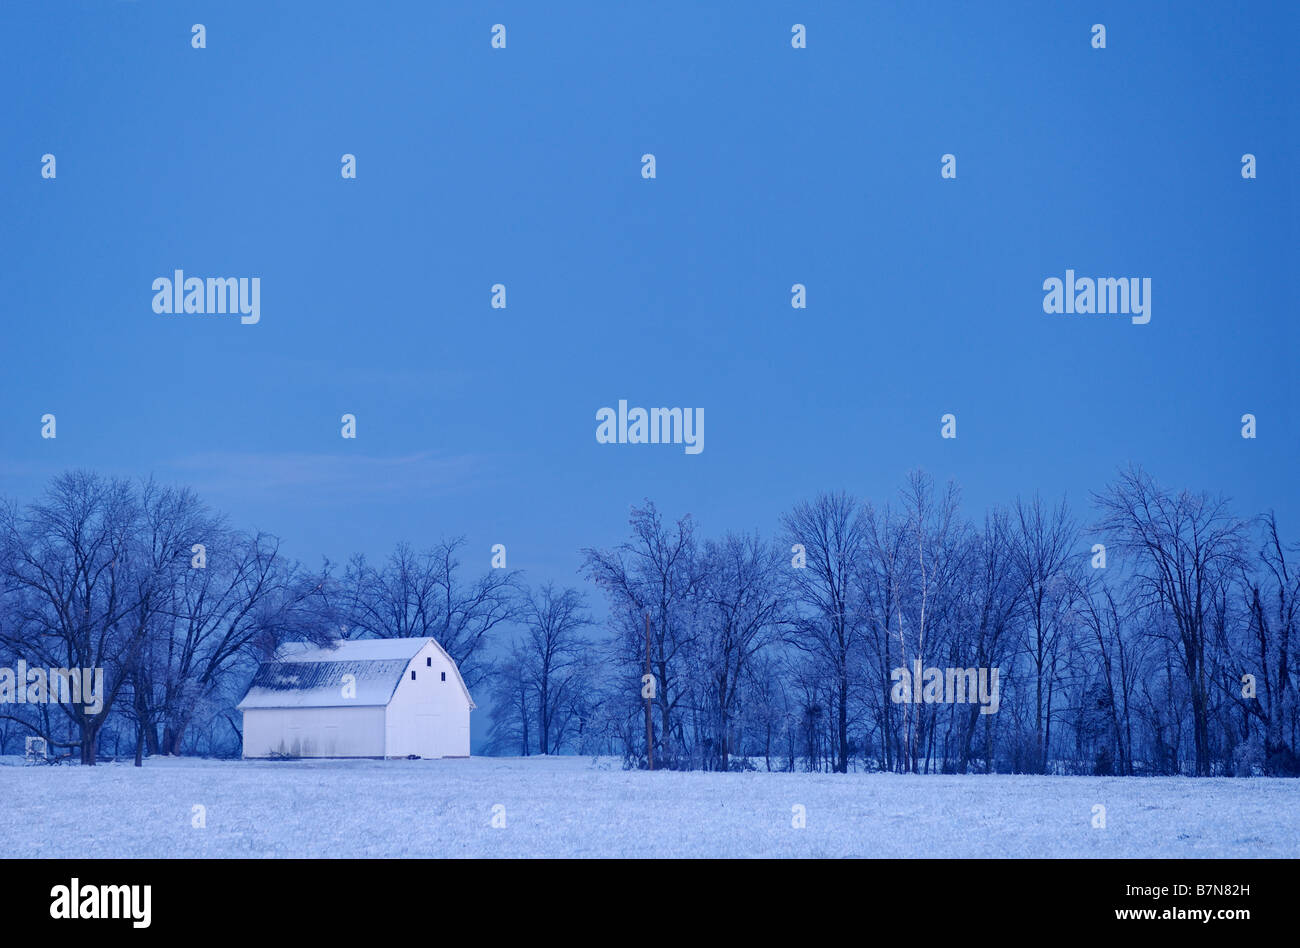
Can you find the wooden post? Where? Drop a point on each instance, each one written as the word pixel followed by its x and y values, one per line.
pixel 649 719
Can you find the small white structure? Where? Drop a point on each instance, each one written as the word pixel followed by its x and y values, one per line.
pixel 362 698
pixel 36 750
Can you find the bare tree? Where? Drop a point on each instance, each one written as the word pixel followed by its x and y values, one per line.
pixel 745 608
pixel 1121 658
pixel 833 534
pixel 1272 601
pixel 556 659
pixel 1187 546
pixel 242 604
pixel 422 594
pixel 1045 544
pixel 936 544
pixel 513 703
pixel 74 576
pixel 170 521
pixel 882 577
pixel 656 572
pixel 996 592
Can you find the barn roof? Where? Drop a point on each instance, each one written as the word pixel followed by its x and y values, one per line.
pixel 311 676
pixel 352 650
pixel 320 684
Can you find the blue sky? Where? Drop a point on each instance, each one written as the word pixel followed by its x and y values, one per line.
pixel 522 166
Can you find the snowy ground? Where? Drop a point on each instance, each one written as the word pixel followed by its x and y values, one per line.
pixel 572 807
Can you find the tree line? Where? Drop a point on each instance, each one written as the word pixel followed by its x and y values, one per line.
pixel 1149 635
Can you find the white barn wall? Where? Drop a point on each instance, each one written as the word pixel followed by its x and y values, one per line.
pixel 427 716
pixel 314 732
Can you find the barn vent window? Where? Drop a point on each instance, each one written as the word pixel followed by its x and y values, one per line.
pixel 444 676
pixel 428 662
pixel 412 674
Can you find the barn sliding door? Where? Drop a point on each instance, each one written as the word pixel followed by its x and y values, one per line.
pixel 428 729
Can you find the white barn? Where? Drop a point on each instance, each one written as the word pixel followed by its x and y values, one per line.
pixel 362 698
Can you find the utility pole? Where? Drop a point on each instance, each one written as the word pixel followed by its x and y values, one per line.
pixel 649 720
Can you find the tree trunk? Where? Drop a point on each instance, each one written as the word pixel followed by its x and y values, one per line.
pixel 842 761
pixel 89 741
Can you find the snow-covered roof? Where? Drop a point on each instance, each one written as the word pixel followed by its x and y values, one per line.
pixel 321 684
pixel 304 675
pixel 351 650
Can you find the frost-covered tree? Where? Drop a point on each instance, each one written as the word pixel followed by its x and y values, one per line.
pixel 1188 547
pixel 425 594
pixel 74 572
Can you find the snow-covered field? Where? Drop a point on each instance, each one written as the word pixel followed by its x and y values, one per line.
pixel 572 807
